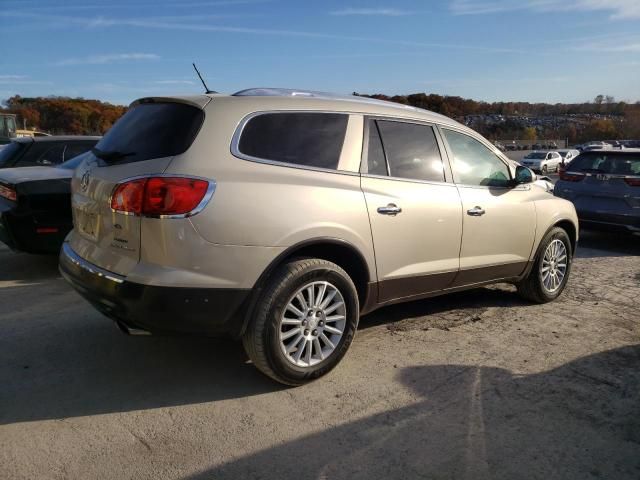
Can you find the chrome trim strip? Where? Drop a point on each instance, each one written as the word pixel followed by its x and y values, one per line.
pixel 74 258
pixel 211 189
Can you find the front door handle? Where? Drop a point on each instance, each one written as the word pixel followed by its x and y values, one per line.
pixel 391 209
pixel 476 211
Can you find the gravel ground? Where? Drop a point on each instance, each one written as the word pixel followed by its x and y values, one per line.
pixel 474 385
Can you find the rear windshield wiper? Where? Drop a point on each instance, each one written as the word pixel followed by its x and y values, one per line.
pixel 111 156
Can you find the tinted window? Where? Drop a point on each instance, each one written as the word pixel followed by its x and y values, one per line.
pixel 152 130
pixel 309 139
pixel 474 163
pixel 75 149
pixel 12 151
pixel 376 163
pixel 74 162
pixel 603 162
pixel 412 151
pixel 42 153
pixel 536 155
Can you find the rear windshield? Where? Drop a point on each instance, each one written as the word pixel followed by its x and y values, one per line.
pixel 606 162
pixel 537 155
pixel 10 152
pixel 151 130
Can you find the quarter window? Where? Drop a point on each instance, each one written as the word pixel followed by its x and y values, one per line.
pixel 411 150
pixel 474 163
pixel 307 139
pixel 376 162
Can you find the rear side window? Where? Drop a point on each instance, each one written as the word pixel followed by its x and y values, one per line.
pixel 151 130
pixel 306 139
pixel 412 151
pixel 602 162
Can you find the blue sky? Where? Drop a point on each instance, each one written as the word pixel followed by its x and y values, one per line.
pixel 529 50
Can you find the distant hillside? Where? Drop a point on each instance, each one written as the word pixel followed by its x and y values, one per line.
pixel 604 118
pixel 64 115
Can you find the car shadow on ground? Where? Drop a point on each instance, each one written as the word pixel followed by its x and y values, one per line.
pixel 578 421
pixel 23 267
pixel 594 243
pixel 98 370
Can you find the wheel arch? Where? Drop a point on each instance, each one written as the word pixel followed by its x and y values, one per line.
pixel 335 250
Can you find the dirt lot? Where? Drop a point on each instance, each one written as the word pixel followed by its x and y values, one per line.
pixel 475 385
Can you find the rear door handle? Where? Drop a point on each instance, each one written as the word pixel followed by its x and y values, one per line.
pixel 476 211
pixel 391 209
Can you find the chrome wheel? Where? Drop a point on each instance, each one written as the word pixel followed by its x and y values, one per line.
pixel 312 324
pixel 553 267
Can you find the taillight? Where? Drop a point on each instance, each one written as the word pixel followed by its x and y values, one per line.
pixel 154 196
pixel 633 181
pixel 8 193
pixel 571 177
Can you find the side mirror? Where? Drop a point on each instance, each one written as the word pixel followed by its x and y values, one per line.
pixel 523 175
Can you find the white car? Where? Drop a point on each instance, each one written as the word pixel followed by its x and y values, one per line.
pixel 568 155
pixel 596 146
pixel 542 162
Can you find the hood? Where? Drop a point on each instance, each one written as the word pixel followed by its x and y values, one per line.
pixel 14 176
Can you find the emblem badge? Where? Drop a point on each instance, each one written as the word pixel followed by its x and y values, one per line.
pixel 84 182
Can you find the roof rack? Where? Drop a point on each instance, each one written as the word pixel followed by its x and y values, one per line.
pixel 289 92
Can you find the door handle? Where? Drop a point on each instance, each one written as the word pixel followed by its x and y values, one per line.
pixel 476 211
pixel 391 209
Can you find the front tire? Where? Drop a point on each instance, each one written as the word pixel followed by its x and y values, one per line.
pixel 550 273
pixel 304 321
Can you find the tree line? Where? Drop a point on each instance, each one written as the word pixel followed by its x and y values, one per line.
pixel 64 115
pixel 602 118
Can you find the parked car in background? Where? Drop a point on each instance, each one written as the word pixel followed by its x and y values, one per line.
pixel 31 133
pixel 596 146
pixel 604 186
pixel 281 216
pixel 7 127
pixel 35 206
pixel 44 151
pixel 542 162
pixel 568 155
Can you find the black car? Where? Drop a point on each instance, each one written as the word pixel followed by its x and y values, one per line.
pixel 44 151
pixel 35 206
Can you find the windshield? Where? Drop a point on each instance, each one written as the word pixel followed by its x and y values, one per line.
pixel 537 155
pixel 151 130
pixel 603 162
pixel 10 152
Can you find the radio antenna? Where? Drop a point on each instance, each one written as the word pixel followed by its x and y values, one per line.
pixel 206 89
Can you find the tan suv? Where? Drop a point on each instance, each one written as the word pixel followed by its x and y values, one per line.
pixel 280 217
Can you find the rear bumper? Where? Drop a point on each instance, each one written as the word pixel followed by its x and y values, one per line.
pixel 155 309
pixel 20 230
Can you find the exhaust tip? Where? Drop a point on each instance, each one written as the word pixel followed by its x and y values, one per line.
pixel 130 330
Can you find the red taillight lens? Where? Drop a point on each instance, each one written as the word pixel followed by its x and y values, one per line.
pixel 633 181
pixel 128 196
pixel 8 193
pixel 159 196
pixel 571 177
pixel 173 196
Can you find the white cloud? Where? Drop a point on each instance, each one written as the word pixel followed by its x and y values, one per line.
pixel 386 12
pixel 618 9
pixel 12 77
pixel 108 58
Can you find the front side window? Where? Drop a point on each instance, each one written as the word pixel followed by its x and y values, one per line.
pixel 299 138
pixel 474 163
pixel 411 150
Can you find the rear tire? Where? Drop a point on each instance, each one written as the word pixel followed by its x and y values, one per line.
pixel 304 322
pixel 550 272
